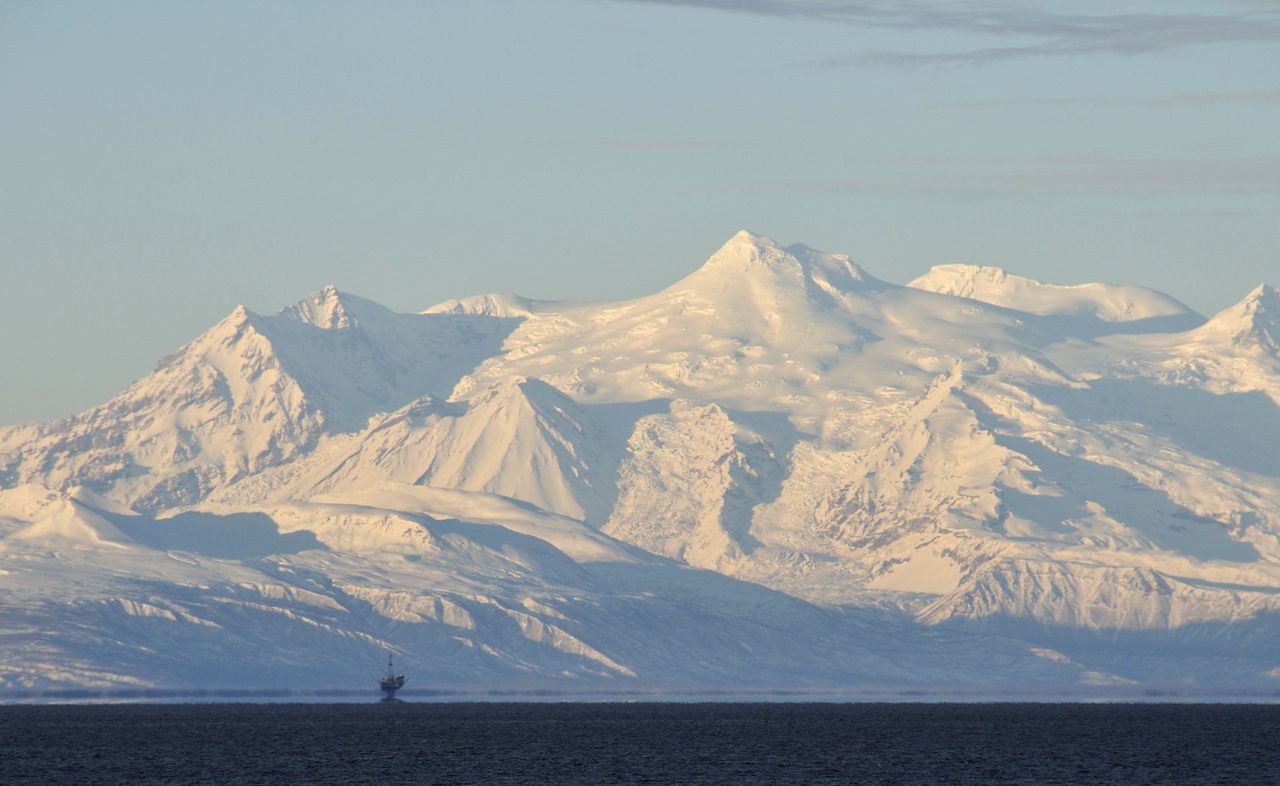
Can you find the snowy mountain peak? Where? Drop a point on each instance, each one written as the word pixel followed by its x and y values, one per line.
pixel 328 309
pixel 518 438
pixel 741 254
pixel 744 241
pixel 225 331
pixel 1264 297
pixel 747 251
pixel 963 280
pixel 333 309
pixel 493 305
pixel 1253 322
pixel 56 518
pixel 1105 302
pixel 754 272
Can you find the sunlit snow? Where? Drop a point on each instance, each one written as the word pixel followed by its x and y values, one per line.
pixel 780 471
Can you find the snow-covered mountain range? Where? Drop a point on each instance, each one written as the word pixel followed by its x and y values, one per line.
pixel 780 471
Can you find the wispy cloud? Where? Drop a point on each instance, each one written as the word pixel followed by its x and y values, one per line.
pixel 1046 33
pixel 658 147
pixel 1149 102
pixel 1062 175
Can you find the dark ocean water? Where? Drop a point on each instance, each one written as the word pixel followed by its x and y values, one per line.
pixel 350 744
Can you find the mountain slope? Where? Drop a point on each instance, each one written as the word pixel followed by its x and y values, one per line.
pixel 250 393
pixel 311 593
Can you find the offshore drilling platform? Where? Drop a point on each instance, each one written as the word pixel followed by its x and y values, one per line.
pixel 391 681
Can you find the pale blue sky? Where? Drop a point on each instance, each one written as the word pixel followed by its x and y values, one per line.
pixel 162 162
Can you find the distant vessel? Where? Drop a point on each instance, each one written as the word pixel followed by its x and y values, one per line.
pixel 391 681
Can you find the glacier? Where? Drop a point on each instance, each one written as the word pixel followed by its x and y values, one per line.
pixel 780 472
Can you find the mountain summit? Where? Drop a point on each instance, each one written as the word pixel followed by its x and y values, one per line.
pixel 1254 322
pixel 751 268
pixel 327 309
pixel 1105 302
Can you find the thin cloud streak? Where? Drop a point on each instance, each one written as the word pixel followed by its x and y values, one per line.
pixel 658 147
pixel 1058 176
pixel 1152 102
pixel 1058 34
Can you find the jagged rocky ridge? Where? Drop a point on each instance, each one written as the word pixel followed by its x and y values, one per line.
pixel 778 472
